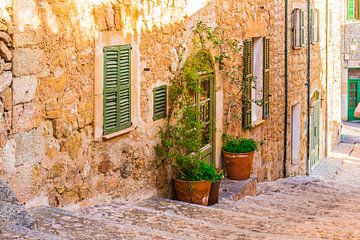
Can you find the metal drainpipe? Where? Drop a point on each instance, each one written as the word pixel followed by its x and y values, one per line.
pixel 327 81
pixel 308 86
pixel 286 88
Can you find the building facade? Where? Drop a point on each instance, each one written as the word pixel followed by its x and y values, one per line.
pixel 350 60
pixel 83 90
pixel 314 82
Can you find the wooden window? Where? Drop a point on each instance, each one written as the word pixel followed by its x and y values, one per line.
pixel 160 102
pixel 117 88
pixel 266 79
pixel 315 26
pixel 247 83
pixel 353 9
pixel 256 73
pixel 298 28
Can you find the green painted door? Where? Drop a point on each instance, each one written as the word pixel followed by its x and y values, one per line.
pixel 315 134
pixel 205 103
pixel 353 98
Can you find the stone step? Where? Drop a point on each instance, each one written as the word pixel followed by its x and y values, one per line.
pixel 70 225
pixel 236 190
pixel 189 222
pixel 10 232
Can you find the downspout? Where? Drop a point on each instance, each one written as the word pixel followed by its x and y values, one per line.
pixel 308 86
pixel 286 88
pixel 327 82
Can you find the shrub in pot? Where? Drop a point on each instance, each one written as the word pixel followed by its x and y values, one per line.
pixel 238 156
pixel 181 147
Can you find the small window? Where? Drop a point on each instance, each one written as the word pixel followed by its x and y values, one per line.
pixel 160 102
pixel 298 28
pixel 117 88
pixel 315 26
pixel 353 9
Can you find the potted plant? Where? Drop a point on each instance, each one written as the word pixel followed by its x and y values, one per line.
pixel 180 145
pixel 238 156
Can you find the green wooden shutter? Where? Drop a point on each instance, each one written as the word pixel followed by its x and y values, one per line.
pixel 160 102
pixel 302 26
pixel 117 88
pixel 312 17
pixel 266 79
pixel 247 83
pixel 351 9
pixel 318 24
pixel 294 27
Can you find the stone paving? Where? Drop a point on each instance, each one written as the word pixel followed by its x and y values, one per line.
pixel 325 205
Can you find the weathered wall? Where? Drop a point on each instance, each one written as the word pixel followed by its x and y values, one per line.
pixel 52 152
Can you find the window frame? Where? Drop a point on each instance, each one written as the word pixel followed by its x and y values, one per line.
pixel 298 28
pixel 315 26
pixel 248 76
pixel 119 127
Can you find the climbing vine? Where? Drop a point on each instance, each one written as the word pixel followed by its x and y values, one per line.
pixel 181 138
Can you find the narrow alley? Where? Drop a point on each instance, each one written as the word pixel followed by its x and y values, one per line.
pixel 322 206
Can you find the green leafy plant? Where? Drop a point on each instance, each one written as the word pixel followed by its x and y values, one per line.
pixel 239 145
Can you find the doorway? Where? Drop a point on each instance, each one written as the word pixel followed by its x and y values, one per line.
pixel 353 98
pixel 315 130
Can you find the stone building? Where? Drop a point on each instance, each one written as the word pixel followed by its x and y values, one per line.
pixel 350 60
pixel 319 123
pixel 62 137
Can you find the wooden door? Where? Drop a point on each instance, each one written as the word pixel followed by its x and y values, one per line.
pixel 353 98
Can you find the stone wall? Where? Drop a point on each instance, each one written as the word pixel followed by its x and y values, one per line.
pixel 325 75
pixel 51 153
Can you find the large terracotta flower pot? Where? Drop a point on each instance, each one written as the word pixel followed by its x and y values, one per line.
pixel 192 192
pixel 238 165
pixel 214 193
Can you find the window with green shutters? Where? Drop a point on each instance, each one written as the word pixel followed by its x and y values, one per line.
pixel 302 28
pixel 315 26
pixel 117 88
pixel 266 79
pixel 351 9
pixel 247 83
pixel 160 102
pixel 298 28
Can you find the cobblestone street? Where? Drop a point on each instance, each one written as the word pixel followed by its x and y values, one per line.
pixel 323 206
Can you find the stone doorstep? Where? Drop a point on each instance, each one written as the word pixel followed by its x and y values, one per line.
pixel 235 190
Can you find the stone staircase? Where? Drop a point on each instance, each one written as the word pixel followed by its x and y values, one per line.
pixel 294 208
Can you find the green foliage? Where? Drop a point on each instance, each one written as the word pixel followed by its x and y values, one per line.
pixel 181 144
pixel 181 139
pixel 196 65
pixel 239 145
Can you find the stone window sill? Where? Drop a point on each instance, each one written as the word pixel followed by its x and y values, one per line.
pixel 258 123
pixel 117 134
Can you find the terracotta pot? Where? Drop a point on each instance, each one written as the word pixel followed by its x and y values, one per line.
pixel 192 192
pixel 214 193
pixel 238 165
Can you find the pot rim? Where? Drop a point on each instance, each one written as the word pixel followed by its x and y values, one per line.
pixel 184 181
pixel 238 153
